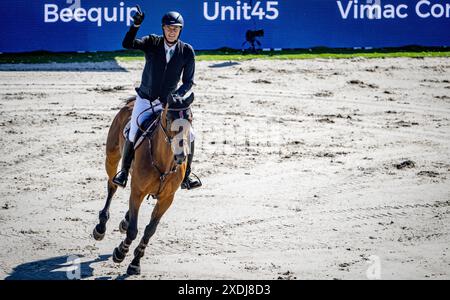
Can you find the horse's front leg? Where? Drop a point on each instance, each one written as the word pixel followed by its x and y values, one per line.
pixel 111 162
pixel 100 228
pixel 158 211
pixel 135 201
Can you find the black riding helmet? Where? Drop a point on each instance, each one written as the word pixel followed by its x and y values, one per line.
pixel 173 18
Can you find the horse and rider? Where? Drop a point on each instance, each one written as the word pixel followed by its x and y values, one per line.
pixel 157 145
pixel 166 58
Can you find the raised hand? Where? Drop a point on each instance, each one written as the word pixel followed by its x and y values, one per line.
pixel 138 17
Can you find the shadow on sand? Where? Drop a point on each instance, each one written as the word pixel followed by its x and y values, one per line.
pixel 104 66
pixel 224 64
pixel 58 268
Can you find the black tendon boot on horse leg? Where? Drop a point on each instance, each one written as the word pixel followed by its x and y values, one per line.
pixel 135 202
pixel 135 266
pixel 100 228
pixel 121 178
pixel 189 183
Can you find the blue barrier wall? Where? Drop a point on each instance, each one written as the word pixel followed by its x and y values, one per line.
pixel 94 25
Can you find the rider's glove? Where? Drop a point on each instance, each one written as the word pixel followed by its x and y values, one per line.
pixel 138 17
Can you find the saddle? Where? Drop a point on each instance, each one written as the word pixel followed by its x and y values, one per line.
pixel 147 127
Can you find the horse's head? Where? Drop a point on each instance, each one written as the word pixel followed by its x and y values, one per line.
pixel 176 121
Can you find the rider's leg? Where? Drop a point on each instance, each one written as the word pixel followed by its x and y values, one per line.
pixel 140 105
pixel 121 178
pixel 189 183
pixel 141 110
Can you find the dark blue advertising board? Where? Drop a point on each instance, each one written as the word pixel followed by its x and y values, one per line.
pixel 99 25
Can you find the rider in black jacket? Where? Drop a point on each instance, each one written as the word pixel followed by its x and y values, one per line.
pixel 166 58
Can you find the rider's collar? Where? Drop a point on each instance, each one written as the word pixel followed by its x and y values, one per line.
pixel 167 47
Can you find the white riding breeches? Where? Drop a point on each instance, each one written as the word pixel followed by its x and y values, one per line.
pixel 142 109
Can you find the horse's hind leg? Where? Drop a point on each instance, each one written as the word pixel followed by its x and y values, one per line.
pixel 158 211
pixel 112 160
pixel 135 201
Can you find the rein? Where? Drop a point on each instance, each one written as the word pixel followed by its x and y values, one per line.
pixel 162 174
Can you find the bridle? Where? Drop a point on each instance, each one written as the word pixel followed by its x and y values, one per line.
pixel 163 174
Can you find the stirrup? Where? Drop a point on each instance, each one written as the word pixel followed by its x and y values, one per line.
pixel 186 184
pixel 121 184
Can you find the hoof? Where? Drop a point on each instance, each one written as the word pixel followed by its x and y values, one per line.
pixel 118 256
pixel 133 270
pixel 98 236
pixel 123 226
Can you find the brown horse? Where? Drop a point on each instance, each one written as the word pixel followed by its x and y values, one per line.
pixel 157 170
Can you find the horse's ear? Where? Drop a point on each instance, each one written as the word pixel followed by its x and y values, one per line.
pixel 188 101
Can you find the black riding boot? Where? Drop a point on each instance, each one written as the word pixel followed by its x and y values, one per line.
pixel 121 178
pixel 189 183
